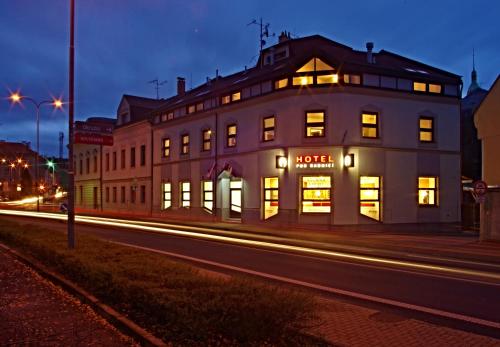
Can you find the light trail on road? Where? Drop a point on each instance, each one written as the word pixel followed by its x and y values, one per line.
pixel 142 226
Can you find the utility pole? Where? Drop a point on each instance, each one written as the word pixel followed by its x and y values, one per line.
pixel 157 84
pixel 71 173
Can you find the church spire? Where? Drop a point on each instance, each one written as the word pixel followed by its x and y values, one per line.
pixel 473 76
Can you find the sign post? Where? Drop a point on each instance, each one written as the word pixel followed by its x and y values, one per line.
pixel 480 188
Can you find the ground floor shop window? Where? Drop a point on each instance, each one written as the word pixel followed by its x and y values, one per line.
pixel 316 194
pixel 185 194
pixel 235 199
pixel 271 196
pixel 167 195
pixel 208 195
pixel 427 191
pixel 369 196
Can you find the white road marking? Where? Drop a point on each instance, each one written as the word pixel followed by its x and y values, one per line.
pixel 365 297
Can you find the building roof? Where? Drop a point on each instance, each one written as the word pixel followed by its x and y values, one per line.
pixel 15 149
pixel 139 107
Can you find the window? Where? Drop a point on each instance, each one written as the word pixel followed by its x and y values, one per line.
pixel 166 147
pixel 107 161
pixel 208 195
pixel 143 194
pixel 315 124
pixel 231 135
pixel 427 191
pixel 199 106
pixel 114 160
pixel 167 195
pixel 122 159
pixel 271 196
pixel 352 79
pixel 170 116
pixel 185 144
pixel 95 163
pixel 206 139
pixel 419 87
pixel 283 83
pixel 316 191
pixel 87 165
pixel 302 80
pixel 435 88
pixel 191 108
pixel 236 96
pixel 327 79
pixel 81 167
pixel 369 124
pixel 369 196
pixel 122 194
pixel 107 194
pixel 114 194
pixel 185 194
pixel 315 64
pixel 132 194
pixel 226 99
pixel 143 155
pixel 268 129
pixel 426 129
pixel 132 157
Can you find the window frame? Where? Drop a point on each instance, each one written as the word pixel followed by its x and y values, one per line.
pixel 132 194
pixel 270 200
pixel 302 189
pixel 123 194
pixel 426 130
pixel 205 141
pixel 142 194
pixel 164 191
pixel 203 196
pixel 375 126
pixel 107 194
pixel 165 149
pixel 115 161
pixel 379 196
pixel 132 156
pixel 435 189
pixel 182 192
pixel 185 145
pixel 307 125
pixel 123 158
pixel 264 129
pixel 107 162
pixel 142 155
pixel 231 136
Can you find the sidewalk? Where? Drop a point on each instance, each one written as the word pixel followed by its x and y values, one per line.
pixel 34 312
pixel 390 240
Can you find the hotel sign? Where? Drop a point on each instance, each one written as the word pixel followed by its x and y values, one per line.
pixel 314 162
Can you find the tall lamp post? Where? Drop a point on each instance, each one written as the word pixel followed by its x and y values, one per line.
pixel 71 96
pixel 57 103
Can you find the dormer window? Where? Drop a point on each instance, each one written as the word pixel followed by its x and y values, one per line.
pixel 315 64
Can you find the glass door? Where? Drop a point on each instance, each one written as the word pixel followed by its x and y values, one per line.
pixel 235 199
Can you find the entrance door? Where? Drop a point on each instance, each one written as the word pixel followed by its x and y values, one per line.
pixel 235 199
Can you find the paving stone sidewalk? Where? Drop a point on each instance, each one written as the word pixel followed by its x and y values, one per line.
pixel 35 312
pixel 350 325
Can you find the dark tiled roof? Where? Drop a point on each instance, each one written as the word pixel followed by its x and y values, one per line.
pixel 15 149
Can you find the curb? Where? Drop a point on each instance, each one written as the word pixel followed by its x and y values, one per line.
pixel 119 321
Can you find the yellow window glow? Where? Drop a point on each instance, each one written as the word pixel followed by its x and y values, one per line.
pixel 369 118
pixel 308 67
pixel 271 196
pixel 427 191
pixel 236 96
pixel 226 99
pixel 419 87
pixel 369 196
pixel 328 79
pixel 302 80
pixel 435 88
pixel 315 117
pixel 283 83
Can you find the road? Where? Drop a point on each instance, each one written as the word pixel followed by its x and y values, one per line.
pixel 452 296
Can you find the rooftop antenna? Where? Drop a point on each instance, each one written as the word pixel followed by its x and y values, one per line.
pixel 264 33
pixel 61 145
pixel 157 83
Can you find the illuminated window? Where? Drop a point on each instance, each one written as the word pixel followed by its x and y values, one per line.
pixel 352 79
pixel 191 108
pixel 164 117
pixel 236 96
pixel 369 196
pixel 327 79
pixel 315 64
pixel 369 125
pixel 435 88
pixel 199 106
pixel 315 124
pixel 166 147
pixel 268 129
pixel 271 196
pixel 167 195
pixel 426 129
pixel 419 87
pixel 302 80
pixel 206 138
pixel 283 83
pixel 235 199
pixel 185 194
pixel 226 99
pixel 208 195
pixel 170 116
pixel 231 135
pixel 185 144
pixel 427 191
pixel 316 194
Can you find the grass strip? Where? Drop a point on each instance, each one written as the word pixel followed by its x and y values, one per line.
pixel 175 301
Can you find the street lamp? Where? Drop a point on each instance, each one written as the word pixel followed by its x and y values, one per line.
pixel 52 166
pixel 16 98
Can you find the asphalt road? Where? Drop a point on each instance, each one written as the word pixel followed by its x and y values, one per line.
pixel 469 304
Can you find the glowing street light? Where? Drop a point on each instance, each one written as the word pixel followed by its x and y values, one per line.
pixel 17 98
pixel 52 166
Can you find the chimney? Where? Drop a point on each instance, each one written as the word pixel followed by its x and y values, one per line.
pixel 181 86
pixel 284 36
pixel 369 53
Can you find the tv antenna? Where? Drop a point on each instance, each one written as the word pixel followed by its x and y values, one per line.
pixel 157 84
pixel 264 33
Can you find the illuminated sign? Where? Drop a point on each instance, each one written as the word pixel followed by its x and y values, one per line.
pixel 314 162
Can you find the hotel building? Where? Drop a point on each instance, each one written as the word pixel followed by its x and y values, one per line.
pixel 315 133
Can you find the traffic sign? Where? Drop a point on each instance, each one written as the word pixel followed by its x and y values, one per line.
pixel 95 128
pixel 94 139
pixel 480 188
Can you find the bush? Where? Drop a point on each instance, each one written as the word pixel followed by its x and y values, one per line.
pixel 175 301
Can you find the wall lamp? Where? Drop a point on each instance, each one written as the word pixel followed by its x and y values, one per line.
pixel 281 162
pixel 349 160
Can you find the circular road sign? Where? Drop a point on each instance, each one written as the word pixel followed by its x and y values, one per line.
pixel 480 188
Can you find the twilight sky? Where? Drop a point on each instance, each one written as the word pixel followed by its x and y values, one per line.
pixel 123 44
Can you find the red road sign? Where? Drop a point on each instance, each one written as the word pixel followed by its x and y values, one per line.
pixel 480 188
pixel 94 139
